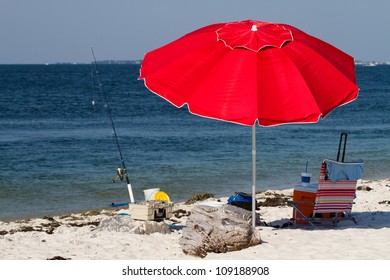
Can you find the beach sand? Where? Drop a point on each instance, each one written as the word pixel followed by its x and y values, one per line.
pixel 82 236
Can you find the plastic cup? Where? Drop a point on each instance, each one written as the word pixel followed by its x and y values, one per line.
pixel 305 178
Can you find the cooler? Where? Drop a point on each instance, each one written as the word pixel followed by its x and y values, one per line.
pixel 304 194
pixel 151 210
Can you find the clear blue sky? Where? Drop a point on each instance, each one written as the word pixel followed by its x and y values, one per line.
pixel 49 31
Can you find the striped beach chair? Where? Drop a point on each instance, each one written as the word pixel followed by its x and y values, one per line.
pixel 335 193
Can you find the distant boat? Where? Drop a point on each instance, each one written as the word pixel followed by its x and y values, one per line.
pixel 371 64
pixel 368 63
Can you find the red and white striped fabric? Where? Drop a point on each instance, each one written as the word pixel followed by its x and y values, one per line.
pixel 334 197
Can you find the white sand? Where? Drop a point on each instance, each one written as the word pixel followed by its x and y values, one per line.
pixel 369 239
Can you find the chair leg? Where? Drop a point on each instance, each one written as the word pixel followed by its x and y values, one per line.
pixel 345 216
pixel 303 215
pixel 352 218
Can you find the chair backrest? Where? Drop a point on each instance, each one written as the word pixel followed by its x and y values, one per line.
pixel 336 191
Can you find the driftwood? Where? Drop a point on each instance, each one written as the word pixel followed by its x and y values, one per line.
pixel 219 230
pixel 125 224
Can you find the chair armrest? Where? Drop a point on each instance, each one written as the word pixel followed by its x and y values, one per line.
pixel 292 202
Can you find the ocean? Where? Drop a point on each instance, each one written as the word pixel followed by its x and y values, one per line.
pixel 58 152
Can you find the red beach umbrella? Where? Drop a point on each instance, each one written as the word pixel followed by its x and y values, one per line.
pixel 249 71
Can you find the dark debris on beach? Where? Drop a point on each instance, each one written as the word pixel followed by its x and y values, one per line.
pixel 58 258
pixel 50 226
pixel 179 213
pixel 199 197
pixel 387 202
pixel 364 188
pixel 272 199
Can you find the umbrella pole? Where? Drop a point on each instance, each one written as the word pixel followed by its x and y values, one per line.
pixel 254 175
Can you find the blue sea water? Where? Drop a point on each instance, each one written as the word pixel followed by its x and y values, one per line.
pixel 58 152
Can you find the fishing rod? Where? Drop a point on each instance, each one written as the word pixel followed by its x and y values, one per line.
pixel 121 172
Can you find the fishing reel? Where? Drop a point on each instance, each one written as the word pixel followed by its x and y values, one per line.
pixel 119 174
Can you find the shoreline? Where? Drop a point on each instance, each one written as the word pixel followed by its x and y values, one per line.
pixel 80 236
pixel 114 208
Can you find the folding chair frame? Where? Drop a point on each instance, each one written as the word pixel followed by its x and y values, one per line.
pixel 333 199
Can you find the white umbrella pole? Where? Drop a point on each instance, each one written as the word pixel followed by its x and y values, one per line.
pixel 254 176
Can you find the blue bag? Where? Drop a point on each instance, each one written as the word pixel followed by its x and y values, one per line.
pixel 242 200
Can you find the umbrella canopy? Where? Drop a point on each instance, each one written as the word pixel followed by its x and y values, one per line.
pixel 250 71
